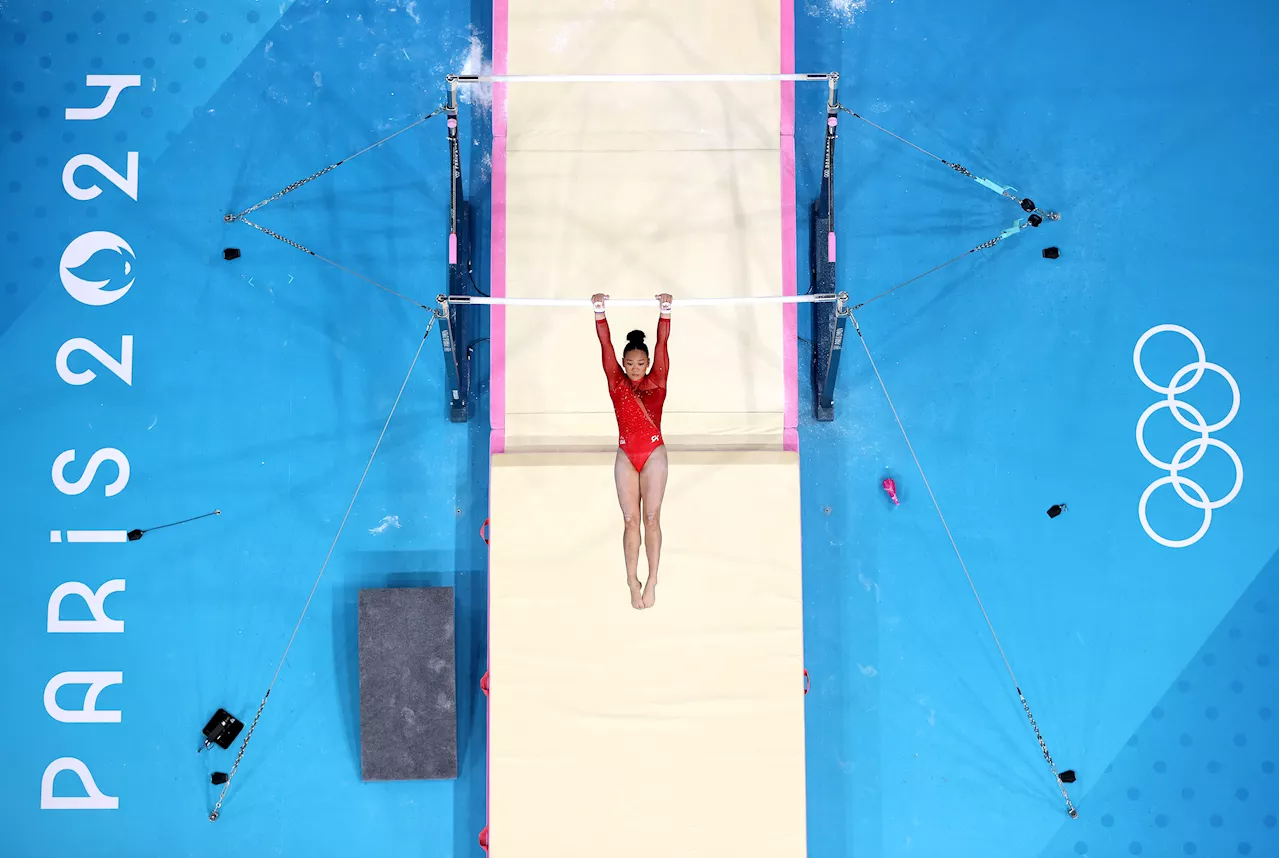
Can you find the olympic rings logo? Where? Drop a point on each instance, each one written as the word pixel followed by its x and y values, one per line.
pixel 1181 411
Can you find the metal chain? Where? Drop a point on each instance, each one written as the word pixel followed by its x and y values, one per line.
pixel 293 187
pixel 287 190
pixel 308 250
pixel 988 244
pixel 278 237
pixel 1048 758
pixel 217 806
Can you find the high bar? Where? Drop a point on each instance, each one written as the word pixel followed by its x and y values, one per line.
pixel 635 78
pixel 643 302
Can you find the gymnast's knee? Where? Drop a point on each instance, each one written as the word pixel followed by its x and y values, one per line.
pixel 631 522
pixel 651 520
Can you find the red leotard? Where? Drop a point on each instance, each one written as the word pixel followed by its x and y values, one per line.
pixel 638 406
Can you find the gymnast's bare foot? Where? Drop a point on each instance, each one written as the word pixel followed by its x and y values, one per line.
pixel 650 592
pixel 637 600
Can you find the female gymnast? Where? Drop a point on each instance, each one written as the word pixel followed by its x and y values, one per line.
pixel 638 389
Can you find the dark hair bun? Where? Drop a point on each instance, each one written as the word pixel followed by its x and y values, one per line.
pixel 636 338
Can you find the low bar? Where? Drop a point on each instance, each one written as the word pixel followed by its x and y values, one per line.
pixel 636 78
pixel 641 302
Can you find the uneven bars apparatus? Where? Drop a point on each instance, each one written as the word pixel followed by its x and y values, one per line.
pixel 830 308
pixel 828 327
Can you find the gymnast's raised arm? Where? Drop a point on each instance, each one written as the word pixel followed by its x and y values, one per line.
pixel 607 356
pixel 661 362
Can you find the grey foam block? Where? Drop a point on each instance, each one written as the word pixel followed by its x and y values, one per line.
pixel 408 691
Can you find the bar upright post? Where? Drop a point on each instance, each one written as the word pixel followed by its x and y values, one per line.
pixel 828 323
pixel 454 320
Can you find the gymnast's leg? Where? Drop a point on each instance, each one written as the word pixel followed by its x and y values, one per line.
pixel 628 483
pixel 653 484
